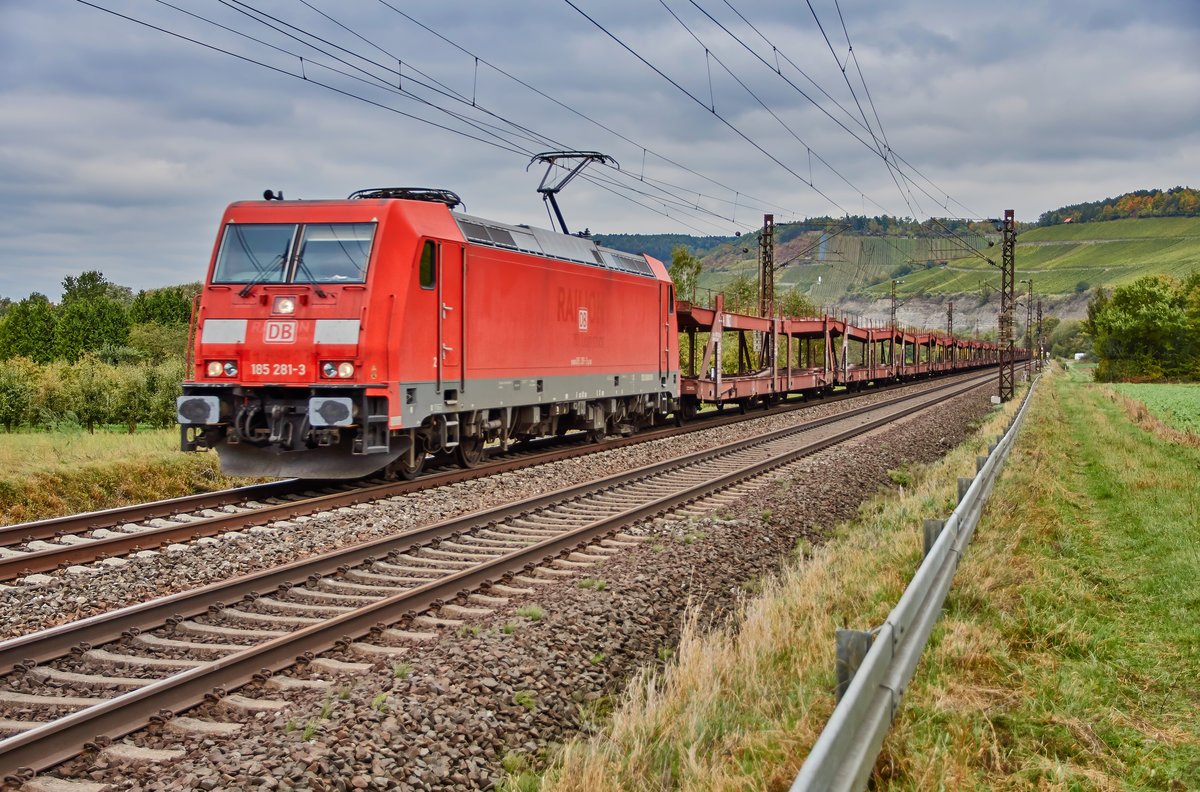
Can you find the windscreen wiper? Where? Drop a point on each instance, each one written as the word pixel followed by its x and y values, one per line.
pixel 302 267
pixel 260 277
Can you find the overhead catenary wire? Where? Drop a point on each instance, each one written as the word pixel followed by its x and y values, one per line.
pixel 881 147
pixel 586 117
pixel 700 102
pixel 304 76
pixel 503 144
pixel 767 108
pixel 287 73
pixel 506 135
pixel 526 132
pixel 819 106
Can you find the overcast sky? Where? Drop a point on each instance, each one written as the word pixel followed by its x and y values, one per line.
pixel 120 145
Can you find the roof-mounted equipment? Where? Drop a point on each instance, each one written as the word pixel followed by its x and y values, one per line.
pixel 433 194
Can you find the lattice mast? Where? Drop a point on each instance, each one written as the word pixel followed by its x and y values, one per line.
pixel 1008 282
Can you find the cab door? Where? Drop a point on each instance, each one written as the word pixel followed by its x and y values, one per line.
pixel 451 293
pixel 666 324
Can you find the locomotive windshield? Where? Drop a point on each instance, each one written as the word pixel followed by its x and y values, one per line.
pixel 253 253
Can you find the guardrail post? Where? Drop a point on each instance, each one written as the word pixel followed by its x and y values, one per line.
pixel 964 484
pixel 933 529
pixel 980 461
pixel 852 647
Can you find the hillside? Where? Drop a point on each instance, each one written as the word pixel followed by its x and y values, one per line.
pixel 853 273
pixel 1069 258
pixel 1063 259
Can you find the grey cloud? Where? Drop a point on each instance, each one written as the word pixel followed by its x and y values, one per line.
pixel 120 147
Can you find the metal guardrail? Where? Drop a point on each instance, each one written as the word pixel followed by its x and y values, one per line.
pixel 845 752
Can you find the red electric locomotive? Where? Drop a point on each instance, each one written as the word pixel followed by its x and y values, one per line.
pixel 338 338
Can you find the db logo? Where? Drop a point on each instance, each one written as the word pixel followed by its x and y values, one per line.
pixel 278 331
pixel 583 320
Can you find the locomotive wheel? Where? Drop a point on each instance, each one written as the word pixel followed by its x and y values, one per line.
pixel 470 452
pixel 407 472
pixel 404 471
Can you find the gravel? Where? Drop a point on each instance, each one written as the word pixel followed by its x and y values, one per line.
pixel 444 714
pixel 43 601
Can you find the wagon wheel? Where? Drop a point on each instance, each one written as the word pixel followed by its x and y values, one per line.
pixel 470 452
pixel 686 411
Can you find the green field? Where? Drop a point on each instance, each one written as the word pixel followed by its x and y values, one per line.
pixel 1175 405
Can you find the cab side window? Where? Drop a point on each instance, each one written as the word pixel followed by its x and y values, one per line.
pixel 428 267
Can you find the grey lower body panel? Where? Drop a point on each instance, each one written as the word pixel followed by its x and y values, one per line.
pixel 420 400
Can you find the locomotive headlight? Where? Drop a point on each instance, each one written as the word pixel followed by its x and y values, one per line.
pixel 215 369
pixel 230 368
pixel 284 305
pixel 334 370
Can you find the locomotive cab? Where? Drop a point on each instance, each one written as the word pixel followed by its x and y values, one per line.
pixel 286 381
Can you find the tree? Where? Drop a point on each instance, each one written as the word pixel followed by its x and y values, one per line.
pixel 92 388
pixel 132 400
pixel 685 272
pixel 1066 339
pixel 794 303
pixel 91 285
pixel 741 294
pixel 164 384
pixel 18 378
pixel 27 330
pixel 89 325
pixel 154 341
pixel 162 306
pixel 1145 331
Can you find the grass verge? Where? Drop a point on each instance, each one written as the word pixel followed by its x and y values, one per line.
pixel 739 708
pixel 53 474
pixel 1069 656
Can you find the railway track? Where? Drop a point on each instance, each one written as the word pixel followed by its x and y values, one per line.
pixel 47 545
pixel 111 674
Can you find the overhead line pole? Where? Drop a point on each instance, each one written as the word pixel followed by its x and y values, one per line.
pixel 1008 274
pixel 1038 345
pixel 892 343
pixel 766 284
pixel 1029 328
pixel 950 350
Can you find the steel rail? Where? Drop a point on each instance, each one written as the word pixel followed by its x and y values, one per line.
pixel 57 641
pixel 49 559
pixel 59 740
pixel 18 533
